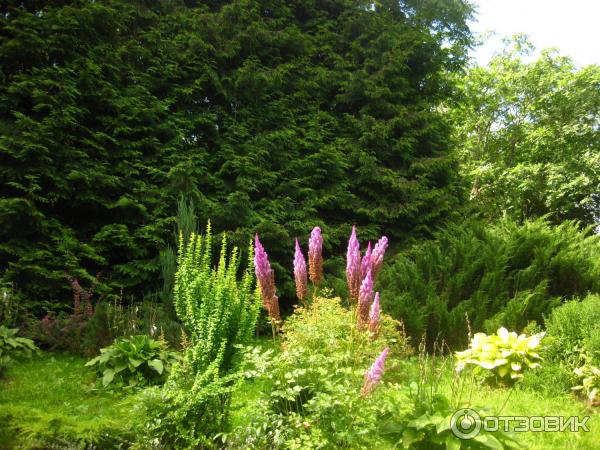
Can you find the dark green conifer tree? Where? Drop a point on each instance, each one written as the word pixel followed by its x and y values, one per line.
pixel 273 116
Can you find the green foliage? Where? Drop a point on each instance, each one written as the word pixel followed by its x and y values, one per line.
pixel 552 380
pixel 311 397
pixel 12 346
pixel 49 402
pixel 502 356
pixel 430 405
pixel 219 313
pixel 83 335
pixel 574 329
pixel 9 309
pixel 135 362
pixel 487 276
pixel 588 377
pixel 266 114
pixel 529 134
pixel 427 427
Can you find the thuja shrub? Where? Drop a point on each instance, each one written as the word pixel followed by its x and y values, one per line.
pixel 325 388
pixel 219 313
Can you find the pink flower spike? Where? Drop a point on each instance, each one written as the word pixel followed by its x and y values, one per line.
pixel 353 265
pixel 366 262
pixel 300 273
pixel 365 298
pixel 374 313
pixel 375 372
pixel 265 277
pixel 378 253
pixel 315 256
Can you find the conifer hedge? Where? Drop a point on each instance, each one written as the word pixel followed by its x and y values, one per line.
pixel 272 116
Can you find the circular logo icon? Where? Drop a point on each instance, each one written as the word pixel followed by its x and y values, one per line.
pixel 465 423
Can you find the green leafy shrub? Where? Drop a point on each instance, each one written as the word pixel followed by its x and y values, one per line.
pixel 13 346
pixel 574 329
pixel 219 313
pixel 135 362
pixel 489 276
pixel 312 397
pixel 504 355
pixel 588 377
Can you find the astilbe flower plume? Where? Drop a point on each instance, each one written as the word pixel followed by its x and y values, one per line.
pixel 366 263
pixel 266 280
pixel 300 273
pixel 365 298
pixel 374 373
pixel 374 314
pixel 377 255
pixel 315 256
pixel 353 266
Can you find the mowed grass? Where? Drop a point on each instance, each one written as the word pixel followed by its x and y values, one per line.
pixel 50 401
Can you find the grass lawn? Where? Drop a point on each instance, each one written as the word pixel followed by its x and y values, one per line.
pixel 50 402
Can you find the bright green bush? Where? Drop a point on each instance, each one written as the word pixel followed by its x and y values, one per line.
pixel 487 276
pixel 574 329
pixel 503 356
pixel 312 397
pixel 13 346
pixel 219 314
pixel 134 362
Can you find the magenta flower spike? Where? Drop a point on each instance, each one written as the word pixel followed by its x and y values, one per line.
pixel 353 265
pixel 266 280
pixel 366 262
pixel 300 273
pixel 365 298
pixel 378 253
pixel 374 373
pixel 315 256
pixel 374 313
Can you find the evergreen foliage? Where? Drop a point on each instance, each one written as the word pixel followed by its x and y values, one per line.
pixel 500 275
pixel 268 114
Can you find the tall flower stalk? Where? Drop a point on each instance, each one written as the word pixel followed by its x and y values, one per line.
pixel 365 298
pixel 377 255
pixel 374 373
pixel 315 256
pixel 266 281
pixel 366 263
pixel 353 266
pixel 374 314
pixel 300 276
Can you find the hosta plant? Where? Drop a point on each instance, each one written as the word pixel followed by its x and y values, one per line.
pixel 137 361
pixel 503 356
pixel 13 346
pixel 589 379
